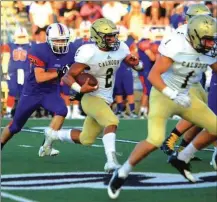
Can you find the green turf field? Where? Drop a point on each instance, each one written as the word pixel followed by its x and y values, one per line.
pixel 76 175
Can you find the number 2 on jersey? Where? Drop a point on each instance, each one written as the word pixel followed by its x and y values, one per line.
pixel 190 74
pixel 108 78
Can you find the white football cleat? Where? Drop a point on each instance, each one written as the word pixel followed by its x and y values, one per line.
pixel 214 159
pixel 111 166
pixel 47 151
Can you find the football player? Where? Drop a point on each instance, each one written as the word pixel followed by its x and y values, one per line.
pixel 101 59
pixel 212 103
pixel 173 73
pixel 48 64
pixel 15 65
pixel 184 126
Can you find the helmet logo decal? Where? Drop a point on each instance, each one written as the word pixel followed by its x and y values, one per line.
pixel 61 30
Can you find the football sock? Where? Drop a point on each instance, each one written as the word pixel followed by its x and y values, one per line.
pixel 132 107
pixel 144 110
pixel 184 143
pixel 120 107
pixel 125 169
pixel 76 109
pixel 109 145
pixel 175 131
pixel 187 153
pixel 65 135
pixel 2 145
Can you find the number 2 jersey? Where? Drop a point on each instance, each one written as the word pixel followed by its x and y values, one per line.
pixel 103 65
pixel 188 63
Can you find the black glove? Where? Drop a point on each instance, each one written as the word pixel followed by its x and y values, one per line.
pixel 62 71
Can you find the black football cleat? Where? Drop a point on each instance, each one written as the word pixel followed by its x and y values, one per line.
pixel 168 145
pixel 181 166
pixel 115 184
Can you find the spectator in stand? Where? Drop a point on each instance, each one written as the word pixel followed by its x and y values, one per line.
pixel 178 18
pixel 15 66
pixel 91 11
pixel 134 20
pixel 114 10
pixel 156 14
pixel 41 15
pixel 69 14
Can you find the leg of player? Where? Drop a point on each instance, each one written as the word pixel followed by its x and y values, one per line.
pixel 120 107
pixel 158 116
pixel 110 151
pixel 212 103
pixel 207 120
pixel 169 144
pixel 131 103
pixel 57 107
pixel 143 112
pixel 214 156
pixel 25 108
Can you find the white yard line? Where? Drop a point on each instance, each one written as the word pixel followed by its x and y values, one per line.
pixel 117 140
pixel 15 197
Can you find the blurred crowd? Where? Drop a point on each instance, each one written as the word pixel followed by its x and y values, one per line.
pixel 142 25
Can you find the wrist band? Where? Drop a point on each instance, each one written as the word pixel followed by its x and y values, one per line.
pixel 75 86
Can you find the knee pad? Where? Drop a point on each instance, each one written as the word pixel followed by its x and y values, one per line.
pixel 112 121
pixel 86 140
pixel 157 141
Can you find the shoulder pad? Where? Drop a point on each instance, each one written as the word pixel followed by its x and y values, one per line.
pixel 84 53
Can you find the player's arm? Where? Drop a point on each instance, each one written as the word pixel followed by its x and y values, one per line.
pixel 161 65
pixel 69 79
pixel 39 69
pixel 82 56
pixel 5 58
pixel 41 75
pixel 134 62
pixel 214 67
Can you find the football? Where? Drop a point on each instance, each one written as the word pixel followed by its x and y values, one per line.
pixel 81 79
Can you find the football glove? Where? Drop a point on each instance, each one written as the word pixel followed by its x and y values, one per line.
pixel 62 71
pixel 183 100
pixel 179 98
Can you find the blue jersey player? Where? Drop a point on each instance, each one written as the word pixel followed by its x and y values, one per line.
pixel 42 88
pixel 15 65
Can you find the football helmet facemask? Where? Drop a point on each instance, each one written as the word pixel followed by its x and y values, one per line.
pixel 102 32
pixel 58 37
pixel 197 9
pixel 202 32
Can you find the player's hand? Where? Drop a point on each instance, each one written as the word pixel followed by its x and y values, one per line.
pixel 86 88
pixel 62 71
pixel 179 98
pixel 183 100
pixel 132 60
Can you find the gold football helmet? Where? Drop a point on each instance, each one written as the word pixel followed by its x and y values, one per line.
pixel 197 9
pixel 102 28
pixel 202 32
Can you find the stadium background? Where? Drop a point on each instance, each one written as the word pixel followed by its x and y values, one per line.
pixel 20 156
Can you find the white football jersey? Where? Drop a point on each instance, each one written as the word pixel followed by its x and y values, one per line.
pixel 103 65
pixel 188 63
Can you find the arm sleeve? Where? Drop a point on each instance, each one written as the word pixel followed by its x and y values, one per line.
pixel 35 58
